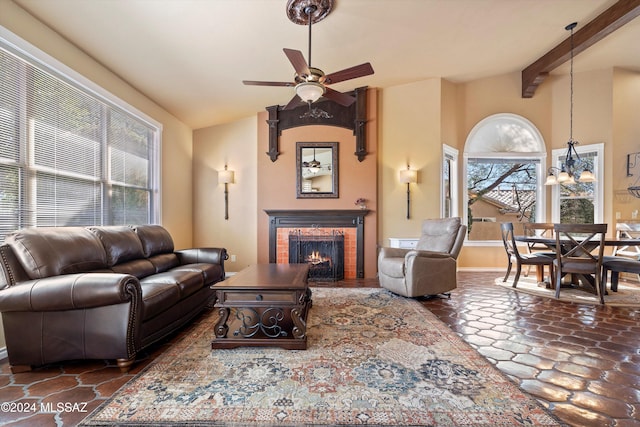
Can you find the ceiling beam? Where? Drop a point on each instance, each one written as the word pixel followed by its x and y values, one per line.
pixel 591 33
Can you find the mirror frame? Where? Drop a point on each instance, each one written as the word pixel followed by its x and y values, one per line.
pixel 334 161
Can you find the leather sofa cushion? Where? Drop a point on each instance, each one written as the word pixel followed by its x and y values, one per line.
pixel 161 291
pixel 120 243
pixel 138 267
pixel 439 235
pixel 164 262
pixel 210 272
pixel 189 282
pixel 51 251
pixel 155 240
pixel 157 296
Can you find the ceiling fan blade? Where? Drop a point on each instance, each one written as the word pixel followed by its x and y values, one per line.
pixel 349 73
pixel 295 102
pixel 339 97
pixel 257 83
pixel 297 60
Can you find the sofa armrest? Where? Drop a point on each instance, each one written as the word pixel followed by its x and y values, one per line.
pixel 393 252
pixel 207 255
pixel 71 292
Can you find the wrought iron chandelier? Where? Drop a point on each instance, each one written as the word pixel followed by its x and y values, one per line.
pixel 573 168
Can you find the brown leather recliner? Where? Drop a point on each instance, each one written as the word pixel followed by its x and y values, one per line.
pixel 98 292
pixel 430 269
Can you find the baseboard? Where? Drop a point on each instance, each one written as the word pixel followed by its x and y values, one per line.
pixel 3 354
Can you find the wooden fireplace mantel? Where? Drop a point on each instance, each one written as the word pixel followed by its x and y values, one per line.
pixel 324 112
pixel 339 218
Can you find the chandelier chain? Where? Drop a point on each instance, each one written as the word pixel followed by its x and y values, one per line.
pixel 571 88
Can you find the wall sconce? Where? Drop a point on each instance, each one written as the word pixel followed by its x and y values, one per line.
pixel 408 176
pixel 226 177
pixel 634 189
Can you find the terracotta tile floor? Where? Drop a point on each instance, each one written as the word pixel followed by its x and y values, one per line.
pixel 581 361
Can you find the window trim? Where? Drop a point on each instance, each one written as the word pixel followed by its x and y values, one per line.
pixel 453 153
pixel 478 137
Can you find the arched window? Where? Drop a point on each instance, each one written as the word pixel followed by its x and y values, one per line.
pixel 504 172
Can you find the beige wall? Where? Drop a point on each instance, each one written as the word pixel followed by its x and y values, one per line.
pixel 410 133
pixel 626 134
pixel 233 144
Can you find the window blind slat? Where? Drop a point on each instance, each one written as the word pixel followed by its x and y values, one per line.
pixel 68 156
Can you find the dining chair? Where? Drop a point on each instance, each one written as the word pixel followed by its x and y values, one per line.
pixel 514 255
pixel 579 252
pixel 538 229
pixel 617 265
pixel 624 258
pixel 627 231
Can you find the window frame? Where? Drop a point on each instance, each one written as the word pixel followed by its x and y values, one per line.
pixel 499 127
pixel 34 57
pixel 451 154
pixel 598 190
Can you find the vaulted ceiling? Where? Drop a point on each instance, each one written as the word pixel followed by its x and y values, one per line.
pixel 190 56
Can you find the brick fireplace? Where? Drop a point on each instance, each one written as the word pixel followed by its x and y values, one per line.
pixel 349 223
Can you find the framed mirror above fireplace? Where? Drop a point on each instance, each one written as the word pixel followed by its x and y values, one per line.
pixel 317 170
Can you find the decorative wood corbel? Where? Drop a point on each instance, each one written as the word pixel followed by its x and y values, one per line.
pixel 323 112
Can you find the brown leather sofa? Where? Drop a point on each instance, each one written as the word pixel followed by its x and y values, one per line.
pixel 98 292
pixel 430 268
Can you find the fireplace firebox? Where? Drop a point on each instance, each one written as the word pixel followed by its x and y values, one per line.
pixel 324 252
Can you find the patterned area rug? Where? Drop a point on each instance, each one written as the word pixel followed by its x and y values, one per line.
pixel 628 294
pixel 373 358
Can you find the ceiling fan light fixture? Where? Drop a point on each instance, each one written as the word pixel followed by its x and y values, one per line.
pixel 310 92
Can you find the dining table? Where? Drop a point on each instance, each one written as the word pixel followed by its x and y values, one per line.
pixel 551 243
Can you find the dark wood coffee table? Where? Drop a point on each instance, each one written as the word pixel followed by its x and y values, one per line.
pixel 263 305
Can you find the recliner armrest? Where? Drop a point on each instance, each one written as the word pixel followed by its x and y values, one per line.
pixel 393 252
pixel 71 292
pixel 427 254
pixel 207 255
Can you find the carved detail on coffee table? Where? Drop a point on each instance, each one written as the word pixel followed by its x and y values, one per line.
pixel 252 322
pixel 299 330
pixel 221 327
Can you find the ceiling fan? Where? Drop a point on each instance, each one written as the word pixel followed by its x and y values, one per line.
pixel 312 83
pixel 314 168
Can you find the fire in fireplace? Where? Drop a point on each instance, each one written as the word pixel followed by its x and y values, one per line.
pixel 324 252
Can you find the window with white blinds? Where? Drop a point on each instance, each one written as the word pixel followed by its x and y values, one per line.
pixel 69 156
